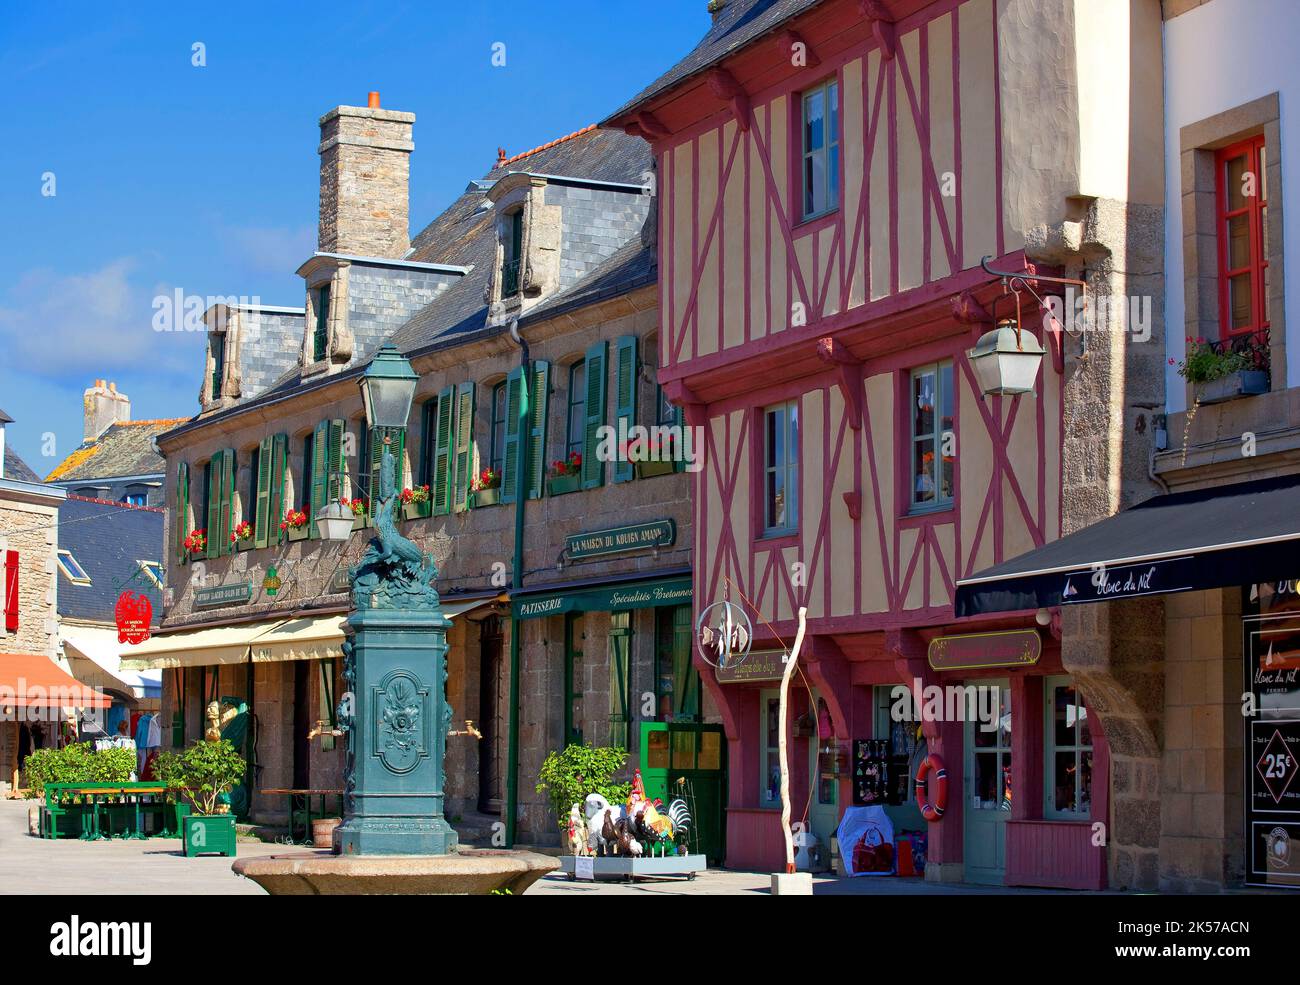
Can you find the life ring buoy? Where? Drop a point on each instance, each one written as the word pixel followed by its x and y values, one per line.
pixel 932 764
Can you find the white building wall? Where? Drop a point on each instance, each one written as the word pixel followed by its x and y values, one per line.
pixel 1218 56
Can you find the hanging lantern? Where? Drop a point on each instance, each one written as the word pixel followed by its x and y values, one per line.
pixel 334 521
pixel 1006 360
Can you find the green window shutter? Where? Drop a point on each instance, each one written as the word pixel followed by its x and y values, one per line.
pixel 318 486
pixel 510 462
pixel 593 470
pixel 182 511
pixel 686 679
pixel 334 463
pixel 620 683
pixel 624 400
pixel 227 546
pixel 212 522
pixel 276 505
pixel 262 518
pixel 442 462
pixel 538 408
pixel 464 448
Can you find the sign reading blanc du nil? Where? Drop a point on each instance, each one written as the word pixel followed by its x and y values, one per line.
pixel 616 540
pixel 207 598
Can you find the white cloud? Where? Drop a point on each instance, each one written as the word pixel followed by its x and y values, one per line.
pixel 93 323
pixel 273 250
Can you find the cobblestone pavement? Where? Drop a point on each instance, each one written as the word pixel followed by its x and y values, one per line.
pixel 38 866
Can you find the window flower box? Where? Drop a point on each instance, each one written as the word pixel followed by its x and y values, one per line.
pixel 295 525
pixel 416 511
pixel 415 503
pixel 1243 383
pixel 1221 370
pixel 485 497
pixel 242 537
pixel 645 470
pixel 565 475
pixel 558 485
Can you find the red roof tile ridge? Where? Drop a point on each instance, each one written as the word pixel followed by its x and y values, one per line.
pixel 546 146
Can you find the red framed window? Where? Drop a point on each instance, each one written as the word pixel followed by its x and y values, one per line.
pixel 1242 204
pixel 11 591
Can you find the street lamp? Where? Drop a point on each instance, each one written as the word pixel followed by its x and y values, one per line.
pixel 1006 360
pixel 334 521
pixel 387 387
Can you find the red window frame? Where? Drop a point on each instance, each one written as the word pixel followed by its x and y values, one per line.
pixel 1257 263
pixel 11 591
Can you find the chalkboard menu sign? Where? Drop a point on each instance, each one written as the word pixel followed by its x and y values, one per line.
pixel 1272 651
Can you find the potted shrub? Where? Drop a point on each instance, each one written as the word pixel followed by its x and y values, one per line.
pixel 203 774
pixel 358 508
pixel 1218 373
pixel 568 775
pixel 196 543
pixel 485 488
pixel 242 538
pixel 295 525
pixel 415 502
pixel 565 475
pixel 169 771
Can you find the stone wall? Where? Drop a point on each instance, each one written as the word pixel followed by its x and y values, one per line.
pixel 27 525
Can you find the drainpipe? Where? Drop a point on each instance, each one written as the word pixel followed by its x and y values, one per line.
pixel 517 582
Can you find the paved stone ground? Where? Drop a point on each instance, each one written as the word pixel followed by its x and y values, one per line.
pixel 38 866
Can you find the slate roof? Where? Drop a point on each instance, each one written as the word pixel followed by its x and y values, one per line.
pixel 16 468
pixel 738 23
pixel 126 448
pixel 108 539
pixel 464 234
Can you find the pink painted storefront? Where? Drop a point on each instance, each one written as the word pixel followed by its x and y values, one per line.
pixel 829 177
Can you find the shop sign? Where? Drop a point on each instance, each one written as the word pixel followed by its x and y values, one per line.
pixel 760 665
pixel 642 595
pixel 977 651
pixel 1126 581
pixel 616 540
pixel 133 614
pixel 1273 746
pixel 208 598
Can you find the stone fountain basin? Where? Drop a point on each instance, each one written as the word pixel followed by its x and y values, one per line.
pixel 470 871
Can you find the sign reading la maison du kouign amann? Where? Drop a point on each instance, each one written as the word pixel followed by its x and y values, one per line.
pixel 616 540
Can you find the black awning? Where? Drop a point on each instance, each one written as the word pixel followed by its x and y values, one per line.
pixel 1209 538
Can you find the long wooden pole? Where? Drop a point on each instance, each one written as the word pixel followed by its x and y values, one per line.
pixel 783 729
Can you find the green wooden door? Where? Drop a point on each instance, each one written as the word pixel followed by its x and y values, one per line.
pixel 987 787
pixel 687 760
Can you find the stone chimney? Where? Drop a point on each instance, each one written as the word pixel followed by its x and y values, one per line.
pixel 103 406
pixel 365 155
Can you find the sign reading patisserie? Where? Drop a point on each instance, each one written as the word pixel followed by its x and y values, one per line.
pixel 976 651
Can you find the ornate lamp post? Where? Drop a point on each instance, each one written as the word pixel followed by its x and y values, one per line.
pixel 395 708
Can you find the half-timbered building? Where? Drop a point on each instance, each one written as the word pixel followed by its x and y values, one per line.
pixel 832 175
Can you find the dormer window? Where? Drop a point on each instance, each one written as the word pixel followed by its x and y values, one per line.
pixel 512 254
pixel 320 331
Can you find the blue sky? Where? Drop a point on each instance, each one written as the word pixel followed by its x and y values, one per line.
pixel 168 175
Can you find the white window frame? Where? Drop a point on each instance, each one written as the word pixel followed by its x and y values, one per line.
pixel 81 579
pixel 788 468
pixel 1050 749
pixel 937 435
pixel 830 143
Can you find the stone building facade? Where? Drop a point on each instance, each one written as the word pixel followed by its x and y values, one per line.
pixel 260 621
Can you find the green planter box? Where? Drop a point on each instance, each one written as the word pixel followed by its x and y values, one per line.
pixel 485 497
pixel 416 511
pixel 359 523
pixel 299 533
pixel 645 470
pixel 245 545
pixel 558 485
pixel 174 818
pixel 209 834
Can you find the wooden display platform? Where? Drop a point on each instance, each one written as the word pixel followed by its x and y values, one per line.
pixel 627 868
